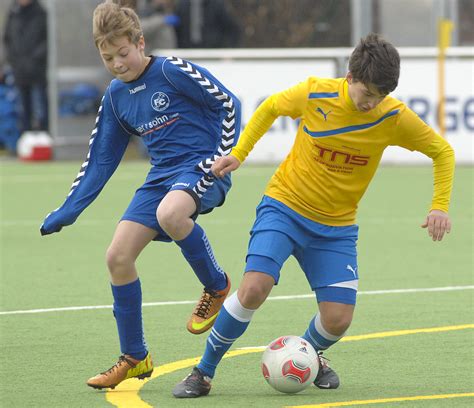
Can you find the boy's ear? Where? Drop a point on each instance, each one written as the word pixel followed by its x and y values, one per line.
pixel 349 78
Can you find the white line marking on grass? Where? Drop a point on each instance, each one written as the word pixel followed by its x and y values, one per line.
pixel 190 302
pixel 130 174
pixel 107 221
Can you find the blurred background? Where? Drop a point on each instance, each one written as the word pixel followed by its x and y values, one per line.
pixel 61 78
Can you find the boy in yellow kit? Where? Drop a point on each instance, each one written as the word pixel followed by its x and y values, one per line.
pixel 309 206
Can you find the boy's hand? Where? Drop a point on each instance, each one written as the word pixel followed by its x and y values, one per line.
pixel 438 223
pixel 55 221
pixel 224 165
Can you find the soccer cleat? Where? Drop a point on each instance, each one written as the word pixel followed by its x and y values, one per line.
pixel 207 309
pixel 194 385
pixel 125 368
pixel 327 378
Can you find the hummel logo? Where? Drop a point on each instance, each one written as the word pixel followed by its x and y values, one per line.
pixel 354 271
pixel 324 114
pixel 137 89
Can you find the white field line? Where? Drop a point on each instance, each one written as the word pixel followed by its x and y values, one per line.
pixel 131 174
pixel 106 221
pixel 190 302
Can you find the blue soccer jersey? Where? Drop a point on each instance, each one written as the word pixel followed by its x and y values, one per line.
pixel 184 115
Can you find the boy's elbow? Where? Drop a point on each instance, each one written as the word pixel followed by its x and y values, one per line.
pixel 449 152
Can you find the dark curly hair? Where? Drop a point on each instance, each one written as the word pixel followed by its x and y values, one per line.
pixel 375 62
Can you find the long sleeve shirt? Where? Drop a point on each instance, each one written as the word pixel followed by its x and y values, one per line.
pixel 337 149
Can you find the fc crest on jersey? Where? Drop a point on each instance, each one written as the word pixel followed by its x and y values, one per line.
pixel 160 101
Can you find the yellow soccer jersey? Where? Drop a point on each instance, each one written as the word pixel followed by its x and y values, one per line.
pixel 337 148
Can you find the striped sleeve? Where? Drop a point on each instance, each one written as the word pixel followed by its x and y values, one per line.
pixel 258 125
pixel 198 84
pixel 107 145
pixel 217 97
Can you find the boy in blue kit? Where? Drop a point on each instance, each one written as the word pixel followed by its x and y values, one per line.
pixel 187 119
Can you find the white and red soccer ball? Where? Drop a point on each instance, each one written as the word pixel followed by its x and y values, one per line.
pixel 290 364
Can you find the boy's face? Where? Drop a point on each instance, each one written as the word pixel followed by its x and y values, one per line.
pixel 365 98
pixel 124 60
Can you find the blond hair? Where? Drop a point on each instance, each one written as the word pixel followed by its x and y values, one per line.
pixel 111 21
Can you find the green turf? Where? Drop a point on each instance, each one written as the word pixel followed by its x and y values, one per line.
pixel 47 357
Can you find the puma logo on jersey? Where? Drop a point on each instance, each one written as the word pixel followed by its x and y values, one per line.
pixel 324 114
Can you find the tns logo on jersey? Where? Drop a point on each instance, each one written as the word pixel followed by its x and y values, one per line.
pixel 324 114
pixel 336 156
pixel 160 101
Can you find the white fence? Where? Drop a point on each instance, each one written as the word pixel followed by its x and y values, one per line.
pixel 254 74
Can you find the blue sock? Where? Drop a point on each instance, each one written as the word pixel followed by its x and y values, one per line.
pixel 198 252
pixel 319 338
pixel 128 314
pixel 231 323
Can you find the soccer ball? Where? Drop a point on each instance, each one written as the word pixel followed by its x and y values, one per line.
pixel 290 364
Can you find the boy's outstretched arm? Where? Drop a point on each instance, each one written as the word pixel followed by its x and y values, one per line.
pixel 291 102
pixel 258 125
pixel 106 148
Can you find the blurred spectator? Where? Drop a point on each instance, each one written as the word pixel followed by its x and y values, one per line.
pixel 9 130
pixel 158 21
pixel 206 24
pixel 133 4
pixel 25 41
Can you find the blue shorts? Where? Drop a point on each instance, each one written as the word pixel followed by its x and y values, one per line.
pixel 327 254
pixel 142 208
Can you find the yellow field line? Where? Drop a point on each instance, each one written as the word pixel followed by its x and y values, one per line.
pixel 384 400
pixel 406 332
pixel 125 395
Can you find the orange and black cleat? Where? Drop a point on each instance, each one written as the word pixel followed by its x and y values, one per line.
pixel 125 368
pixel 207 309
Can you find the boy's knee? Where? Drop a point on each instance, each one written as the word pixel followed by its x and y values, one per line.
pixel 117 259
pixel 168 218
pixel 251 297
pixel 336 323
pixel 336 317
pixel 339 327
